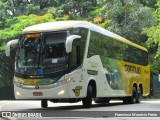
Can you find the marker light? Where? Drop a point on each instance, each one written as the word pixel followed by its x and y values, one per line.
pixel 32 35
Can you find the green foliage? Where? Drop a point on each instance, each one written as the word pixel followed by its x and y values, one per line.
pixel 3 12
pixel 64 17
pixel 153 41
pixel 77 9
pixel 155 68
pixel 150 3
pixel 98 11
pixel 13 29
pixel 128 18
pixel 6 70
pixel 15 25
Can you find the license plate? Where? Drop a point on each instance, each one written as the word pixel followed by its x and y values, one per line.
pixel 37 94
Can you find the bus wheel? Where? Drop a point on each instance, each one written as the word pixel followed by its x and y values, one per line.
pixel 133 98
pixel 44 103
pixel 87 102
pixel 139 95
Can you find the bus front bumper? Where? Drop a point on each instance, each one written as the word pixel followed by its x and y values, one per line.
pixel 50 93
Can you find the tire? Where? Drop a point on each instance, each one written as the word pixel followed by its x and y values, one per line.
pixel 139 95
pixel 126 100
pixel 133 98
pixel 87 102
pixel 44 103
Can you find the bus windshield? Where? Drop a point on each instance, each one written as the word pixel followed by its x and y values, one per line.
pixel 40 54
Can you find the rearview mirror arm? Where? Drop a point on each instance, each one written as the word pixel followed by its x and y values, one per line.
pixel 8 45
pixel 69 42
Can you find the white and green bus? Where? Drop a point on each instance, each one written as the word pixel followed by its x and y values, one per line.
pixel 71 61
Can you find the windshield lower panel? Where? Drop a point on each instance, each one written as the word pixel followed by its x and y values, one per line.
pixel 42 54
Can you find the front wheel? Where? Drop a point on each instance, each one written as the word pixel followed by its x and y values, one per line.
pixel 87 102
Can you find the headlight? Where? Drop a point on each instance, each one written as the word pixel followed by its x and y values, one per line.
pixel 17 93
pixel 66 80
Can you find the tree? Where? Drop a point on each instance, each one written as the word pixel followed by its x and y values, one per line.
pixel 128 18
pixel 75 9
pixel 80 8
pixel 13 8
pixel 149 3
pixel 3 13
pixel 153 42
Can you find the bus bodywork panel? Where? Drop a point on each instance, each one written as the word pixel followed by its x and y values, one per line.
pixel 69 86
pixel 115 78
pixel 135 74
pixel 102 77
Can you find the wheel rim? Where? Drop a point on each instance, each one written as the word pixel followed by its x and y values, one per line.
pixel 139 95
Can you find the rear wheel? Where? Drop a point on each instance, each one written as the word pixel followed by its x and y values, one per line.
pixel 139 95
pixel 87 102
pixel 44 103
pixel 133 98
pixel 134 95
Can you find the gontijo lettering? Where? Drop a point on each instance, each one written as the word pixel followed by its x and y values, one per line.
pixel 132 68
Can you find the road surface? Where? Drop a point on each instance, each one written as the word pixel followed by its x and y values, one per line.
pixel 115 110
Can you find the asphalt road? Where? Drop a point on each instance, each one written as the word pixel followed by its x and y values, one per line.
pixel 115 110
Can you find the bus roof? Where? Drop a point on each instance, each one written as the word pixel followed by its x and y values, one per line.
pixel 63 25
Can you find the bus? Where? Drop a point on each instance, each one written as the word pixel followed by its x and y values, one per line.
pixel 73 61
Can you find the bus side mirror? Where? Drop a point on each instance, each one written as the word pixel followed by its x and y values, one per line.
pixel 8 45
pixel 69 42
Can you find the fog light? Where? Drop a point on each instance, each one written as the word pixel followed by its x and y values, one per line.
pixel 61 92
pixel 17 93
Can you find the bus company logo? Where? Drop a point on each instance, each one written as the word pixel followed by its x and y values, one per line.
pixel 132 69
pixel 77 90
pixel 36 87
